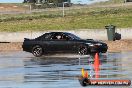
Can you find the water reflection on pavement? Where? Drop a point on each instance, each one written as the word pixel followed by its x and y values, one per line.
pixel 22 70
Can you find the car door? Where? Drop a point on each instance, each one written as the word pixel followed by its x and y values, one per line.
pixel 55 44
pixel 45 42
pixel 49 43
pixel 71 44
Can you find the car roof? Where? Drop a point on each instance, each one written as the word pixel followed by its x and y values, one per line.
pixel 59 32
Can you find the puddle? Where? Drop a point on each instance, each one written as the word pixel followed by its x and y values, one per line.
pixel 22 70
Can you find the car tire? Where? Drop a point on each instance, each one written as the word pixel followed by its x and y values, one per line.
pixel 37 51
pixel 83 50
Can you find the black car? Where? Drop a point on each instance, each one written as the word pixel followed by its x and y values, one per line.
pixel 62 42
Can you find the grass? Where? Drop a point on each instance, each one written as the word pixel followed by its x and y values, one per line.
pixel 84 18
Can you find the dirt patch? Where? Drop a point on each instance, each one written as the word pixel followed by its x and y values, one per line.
pixel 12 7
pixel 119 45
pixel 114 46
pixel 15 46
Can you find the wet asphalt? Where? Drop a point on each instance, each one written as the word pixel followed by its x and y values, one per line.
pixel 20 69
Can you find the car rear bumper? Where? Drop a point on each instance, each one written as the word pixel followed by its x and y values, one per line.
pixel 26 48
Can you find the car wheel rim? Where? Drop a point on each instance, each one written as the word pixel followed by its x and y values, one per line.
pixel 83 50
pixel 37 51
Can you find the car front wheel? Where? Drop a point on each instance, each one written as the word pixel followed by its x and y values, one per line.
pixel 37 51
pixel 83 50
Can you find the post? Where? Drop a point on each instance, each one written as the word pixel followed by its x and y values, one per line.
pixel 63 9
pixel 30 7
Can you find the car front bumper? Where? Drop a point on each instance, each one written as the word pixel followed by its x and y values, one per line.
pixel 102 49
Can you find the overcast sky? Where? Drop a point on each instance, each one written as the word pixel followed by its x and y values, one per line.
pixel 73 1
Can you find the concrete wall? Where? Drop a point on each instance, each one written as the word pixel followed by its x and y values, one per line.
pixel 98 34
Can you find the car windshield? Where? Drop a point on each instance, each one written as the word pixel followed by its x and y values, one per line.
pixel 73 36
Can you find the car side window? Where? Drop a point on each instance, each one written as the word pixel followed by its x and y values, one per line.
pixel 65 37
pixel 46 37
pixel 56 37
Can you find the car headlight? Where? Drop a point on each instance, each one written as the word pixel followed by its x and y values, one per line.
pixel 90 44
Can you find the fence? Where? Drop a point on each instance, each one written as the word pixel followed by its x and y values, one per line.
pixel 46 8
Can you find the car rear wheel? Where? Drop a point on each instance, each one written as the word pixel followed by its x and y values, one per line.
pixel 83 50
pixel 37 51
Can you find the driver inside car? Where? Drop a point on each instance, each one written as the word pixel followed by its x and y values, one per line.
pixel 58 37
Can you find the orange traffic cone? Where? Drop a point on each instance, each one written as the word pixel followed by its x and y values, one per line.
pixel 86 75
pixel 96 60
pixel 96 65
